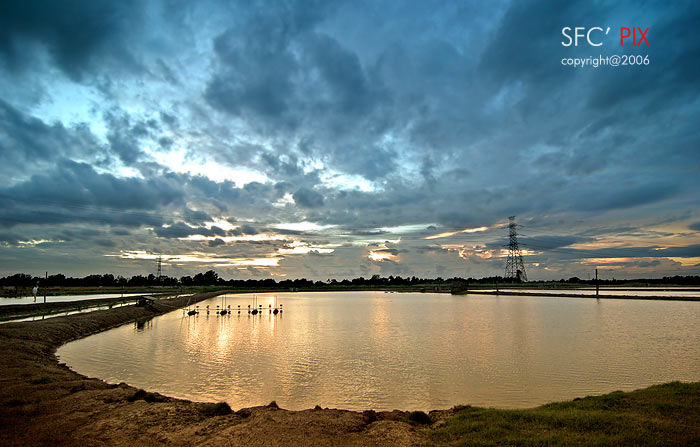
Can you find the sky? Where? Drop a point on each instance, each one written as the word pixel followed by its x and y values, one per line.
pixel 338 139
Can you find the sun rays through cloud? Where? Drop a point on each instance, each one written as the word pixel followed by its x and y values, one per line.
pixel 304 140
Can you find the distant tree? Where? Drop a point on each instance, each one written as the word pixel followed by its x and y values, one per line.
pixel 58 280
pixel 19 280
pixel 186 281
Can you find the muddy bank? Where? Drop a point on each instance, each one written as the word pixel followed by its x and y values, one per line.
pixel 43 402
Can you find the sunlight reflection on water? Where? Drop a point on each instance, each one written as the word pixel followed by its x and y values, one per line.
pixel 359 350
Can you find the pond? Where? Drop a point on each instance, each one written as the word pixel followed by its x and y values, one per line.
pixel 383 351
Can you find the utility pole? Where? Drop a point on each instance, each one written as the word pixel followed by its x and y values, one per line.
pixel 515 268
pixel 597 286
pixel 160 271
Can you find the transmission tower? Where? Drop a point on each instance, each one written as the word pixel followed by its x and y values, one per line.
pixel 160 270
pixel 514 263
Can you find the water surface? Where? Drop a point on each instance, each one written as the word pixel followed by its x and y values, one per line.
pixel 64 298
pixel 671 292
pixel 360 350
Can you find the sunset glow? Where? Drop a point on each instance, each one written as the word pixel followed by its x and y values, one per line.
pixel 339 140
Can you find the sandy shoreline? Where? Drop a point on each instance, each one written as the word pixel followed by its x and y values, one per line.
pixel 42 402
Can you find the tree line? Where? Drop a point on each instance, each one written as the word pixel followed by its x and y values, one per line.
pixel 211 278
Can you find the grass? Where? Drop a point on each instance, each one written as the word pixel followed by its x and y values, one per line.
pixel 663 415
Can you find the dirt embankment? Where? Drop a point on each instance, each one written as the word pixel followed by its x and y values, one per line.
pixel 43 402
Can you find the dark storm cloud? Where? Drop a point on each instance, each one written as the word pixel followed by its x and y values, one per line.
pixel 247 229
pixel 687 251
pixel 653 263
pixel 620 196
pixel 499 95
pixel 75 33
pixel 428 248
pixel 107 243
pixel 526 38
pixel 196 217
pixel 391 251
pixel 624 252
pixel 369 115
pixel 84 233
pixel 308 198
pixel 259 64
pixel 124 136
pixel 7 238
pixel 216 242
pixel 260 82
pixel 551 242
pixel 284 76
pixel 27 139
pixel 182 230
pixel 289 168
pixel 356 232
pixel 204 187
pixel 74 192
pixel 675 65
pixel 242 230
pixel 27 142
pixel 603 231
pixel 350 92
pixel 78 183
pixel 288 232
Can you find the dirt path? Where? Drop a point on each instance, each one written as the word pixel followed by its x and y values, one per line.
pixel 43 402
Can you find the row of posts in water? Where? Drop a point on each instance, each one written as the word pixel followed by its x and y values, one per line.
pixel 227 310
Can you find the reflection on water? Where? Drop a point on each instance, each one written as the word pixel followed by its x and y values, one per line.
pixel 672 292
pixel 359 350
pixel 45 316
pixel 141 325
pixel 63 298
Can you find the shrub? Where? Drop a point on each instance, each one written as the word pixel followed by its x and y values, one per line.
pixel 419 417
pixel 148 397
pixel 217 409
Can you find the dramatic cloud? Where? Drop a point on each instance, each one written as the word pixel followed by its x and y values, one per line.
pixel 334 139
pixel 76 35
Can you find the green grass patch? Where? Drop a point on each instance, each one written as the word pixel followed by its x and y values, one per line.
pixel 663 415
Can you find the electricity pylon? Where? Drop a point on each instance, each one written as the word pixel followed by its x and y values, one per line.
pixel 515 268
